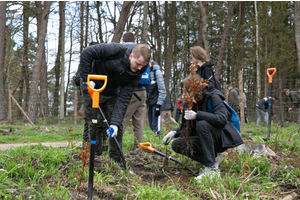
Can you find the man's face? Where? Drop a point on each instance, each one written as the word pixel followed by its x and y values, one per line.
pixel 137 64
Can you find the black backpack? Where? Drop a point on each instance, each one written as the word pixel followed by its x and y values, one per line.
pixel 216 81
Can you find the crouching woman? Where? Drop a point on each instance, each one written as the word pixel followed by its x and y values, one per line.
pixel 204 134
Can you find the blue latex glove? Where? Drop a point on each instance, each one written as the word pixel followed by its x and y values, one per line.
pixel 112 131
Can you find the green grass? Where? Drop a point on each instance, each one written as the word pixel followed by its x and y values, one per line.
pixel 38 172
pixel 26 134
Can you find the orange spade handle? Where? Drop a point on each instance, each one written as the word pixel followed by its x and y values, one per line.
pixel 146 146
pixel 271 75
pixel 94 93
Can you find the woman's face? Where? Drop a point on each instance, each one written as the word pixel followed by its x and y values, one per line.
pixel 196 61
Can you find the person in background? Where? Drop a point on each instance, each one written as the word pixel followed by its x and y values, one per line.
pixel 233 99
pixel 261 109
pixel 167 111
pixel 180 104
pixel 295 98
pixel 123 67
pixel 156 94
pixel 136 107
pixel 204 66
pixel 209 133
pixel 179 109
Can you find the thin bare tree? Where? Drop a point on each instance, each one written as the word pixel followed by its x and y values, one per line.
pixel 86 23
pixel 145 23
pixel 297 30
pixel 81 24
pixel 224 40
pixel 2 52
pixel 42 16
pixel 258 82
pixel 122 20
pixel 99 14
pixel 157 56
pixel 25 77
pixel 203 31
pixel 168 65
pixel 62 21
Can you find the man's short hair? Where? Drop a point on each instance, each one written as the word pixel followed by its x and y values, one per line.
pixel 128 37
pixel 142 50
pixel 285 91
pixel 275 97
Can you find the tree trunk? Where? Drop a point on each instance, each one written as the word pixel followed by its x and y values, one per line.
pixel 132 14
pixel 157 56
pixel 43 15
pixel 170 47
pixel 62 63
pixel 70 63
pixel 86 24
pixel 224 40
pixel 81 24
pixel 122 20
pixel 44 87
pixel 297 30
pixel 24 74
pixel 239 52
pixel 2 55
pixel 166 32
pixel 203 25
pixel 98 5
pixel 145 23
pixel 258 83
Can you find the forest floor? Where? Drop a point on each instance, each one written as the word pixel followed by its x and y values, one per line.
pixel 140 162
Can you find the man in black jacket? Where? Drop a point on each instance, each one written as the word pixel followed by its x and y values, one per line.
pixel 261 109
pixel 123 67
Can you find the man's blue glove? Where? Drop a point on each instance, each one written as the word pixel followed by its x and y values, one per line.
pixel 168 138
pixel 157 110
pixel 112 131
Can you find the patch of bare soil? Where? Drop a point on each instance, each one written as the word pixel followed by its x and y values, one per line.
pixel 150 168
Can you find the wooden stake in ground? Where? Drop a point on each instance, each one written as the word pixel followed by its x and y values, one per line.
pixel 241 91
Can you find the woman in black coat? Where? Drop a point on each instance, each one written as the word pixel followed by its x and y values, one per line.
pixel 206 133
pixel 204 66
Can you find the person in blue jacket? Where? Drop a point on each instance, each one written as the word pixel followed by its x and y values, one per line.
pixel 136 107
pixel 156 94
